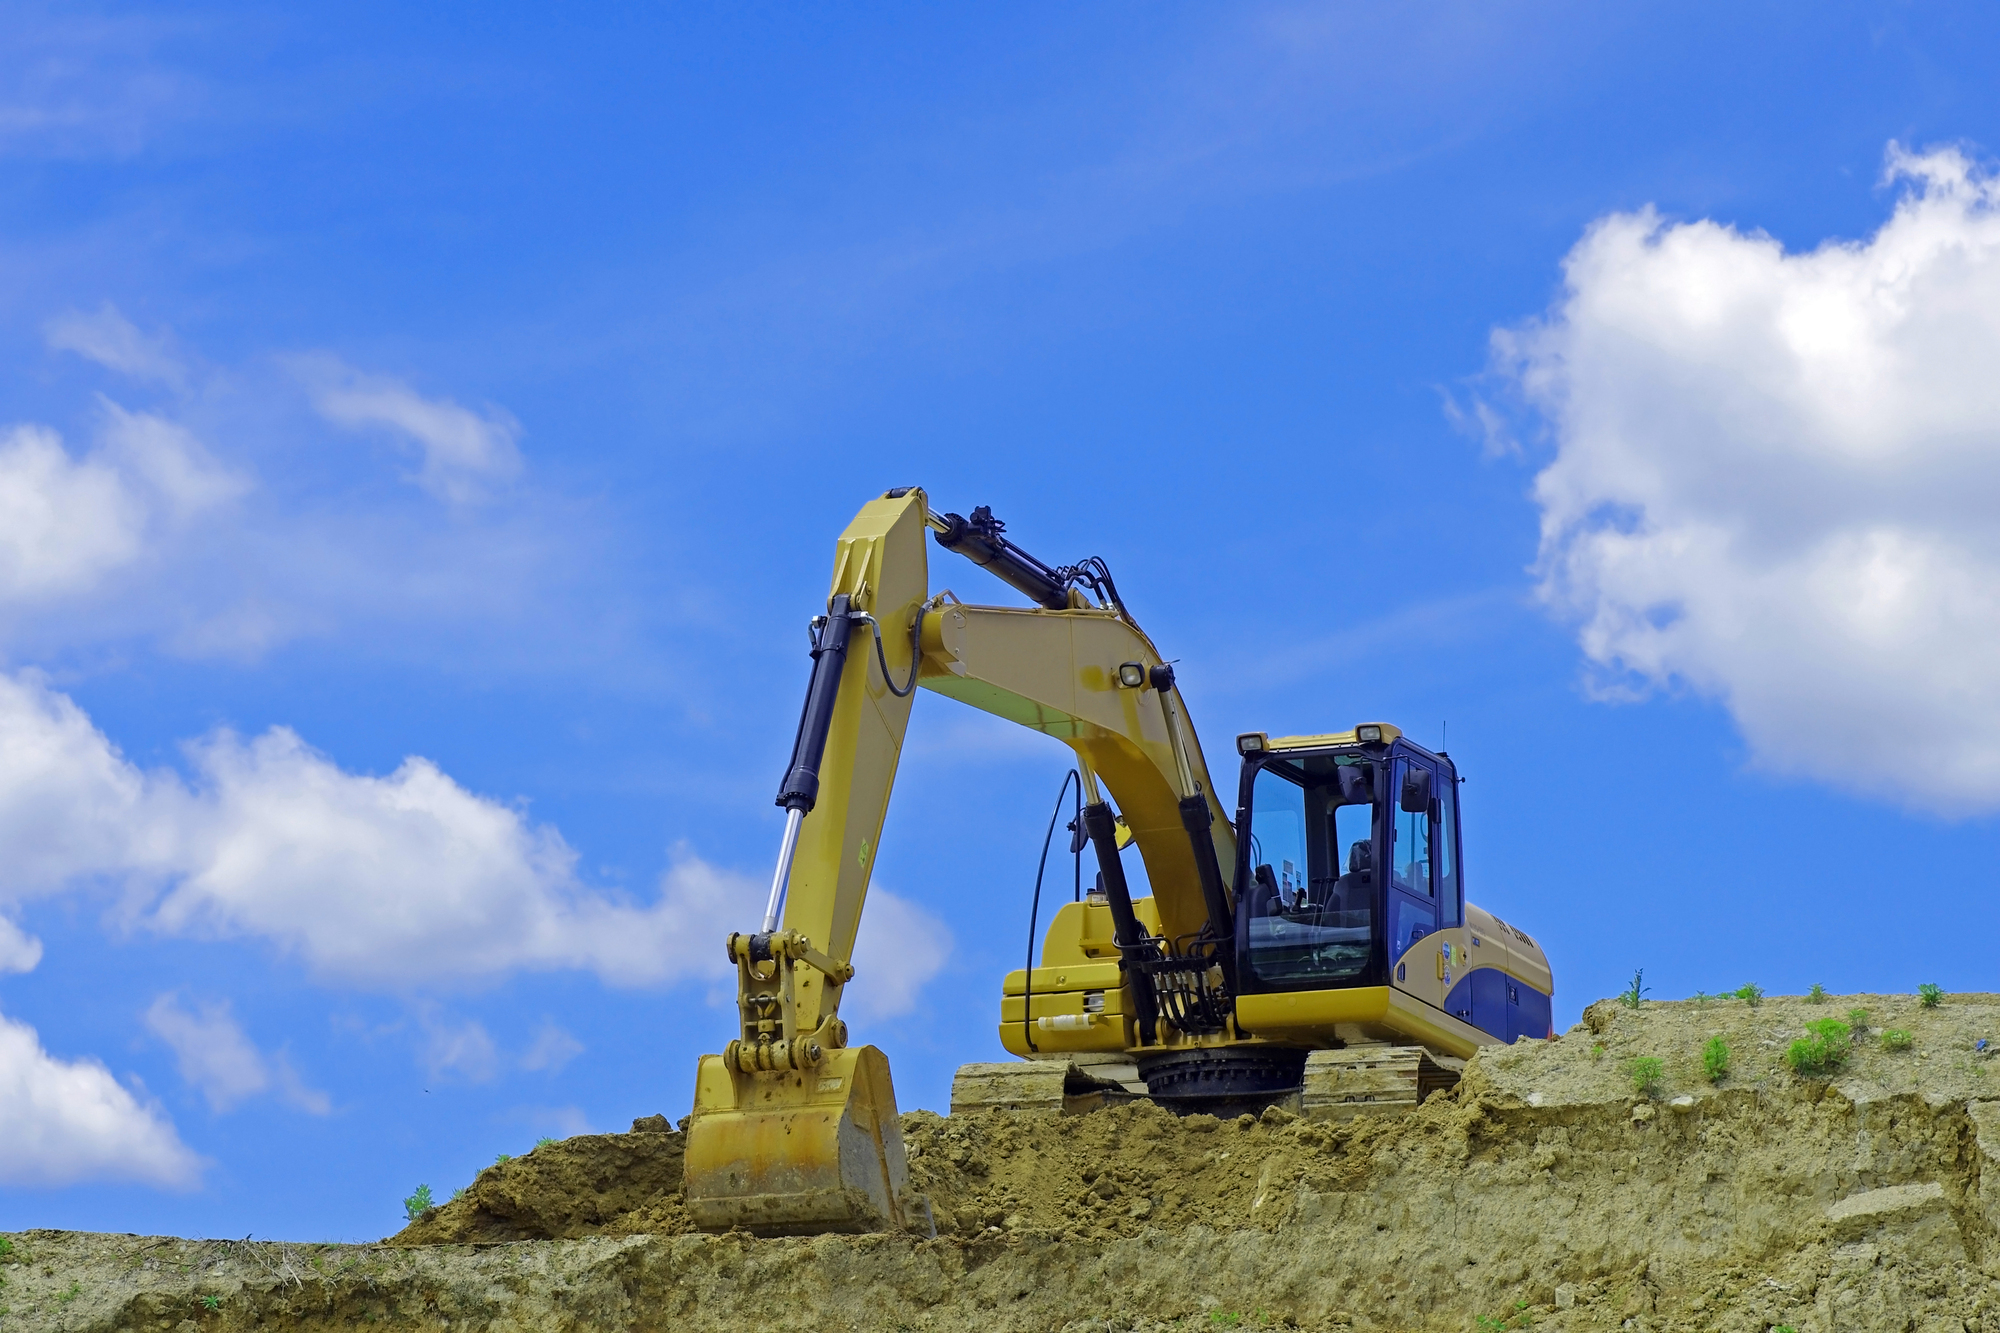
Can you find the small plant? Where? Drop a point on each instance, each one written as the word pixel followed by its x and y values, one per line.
pixel 1646 1073
pixel 1896 1039
pixel 211 1302
pixel 1930 995
pixel 1715 1059
pixel 1225 1318
pixel 1519 1318
pixel 503 1159
pixel 542 1142
pixel 456 1195
pixel 1858 1020
pixel 74 1290
pixel 1701 999
pixel 1597 1051
pixel 1824 1050
pixel 1634 995
pixel 1750 993
pixel 1817 995
pixel 419 1203
pixel 6 1249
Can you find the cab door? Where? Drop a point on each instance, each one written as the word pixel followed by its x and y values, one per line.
pixel 1411 846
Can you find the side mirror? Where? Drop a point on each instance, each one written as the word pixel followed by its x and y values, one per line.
pixel 1416 796
pixel 1357 786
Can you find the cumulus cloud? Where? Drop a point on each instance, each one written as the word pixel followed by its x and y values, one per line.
pixel 66 522
pixel 19 951
pixel 465 453
pixel 218 1059
pixel 69 1121
pixel 114 342
pixel 900 947
pixel 1775 476
pixel 392 882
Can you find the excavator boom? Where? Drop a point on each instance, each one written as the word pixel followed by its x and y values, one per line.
pixel 794 1130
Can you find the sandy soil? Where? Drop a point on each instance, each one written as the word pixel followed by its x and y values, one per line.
pixel 1546 1191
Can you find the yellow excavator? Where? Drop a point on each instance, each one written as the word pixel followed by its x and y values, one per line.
pixel 1312 942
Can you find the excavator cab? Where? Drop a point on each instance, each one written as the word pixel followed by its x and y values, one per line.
pixel 1321 819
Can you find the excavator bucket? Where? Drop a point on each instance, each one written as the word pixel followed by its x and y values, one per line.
pixel 799 1153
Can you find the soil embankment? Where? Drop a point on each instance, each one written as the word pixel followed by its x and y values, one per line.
pixel 1545 1191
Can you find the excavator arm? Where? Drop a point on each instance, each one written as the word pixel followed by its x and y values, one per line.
pixel 793 1129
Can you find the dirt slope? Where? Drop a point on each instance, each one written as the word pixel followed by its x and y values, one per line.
pixel 1544 1191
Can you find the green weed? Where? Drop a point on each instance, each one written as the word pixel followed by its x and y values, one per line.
pixel 1225 1318
pixel 211 1302
pixel 1518 1318
pixel 1930 995
pixel 1634 995
pixel 75 1290
pixel 6 1249
pixel 1896 1039
pixel 503 1159
pixel 419 1203
pixel 1715 1059
pixel 1597 1051
pixel 543 1141
pixel 1817 995
pixel 456 1195
pixel 1750 993
pixel 1701 999
pixel 1823 1051
pixel 1647 1071
pixel 1858 1020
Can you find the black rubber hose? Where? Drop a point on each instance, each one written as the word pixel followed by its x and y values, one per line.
pixel 1035 910
pixel 916 655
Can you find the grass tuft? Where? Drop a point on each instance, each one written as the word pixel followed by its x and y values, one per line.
pixel 1930 995
pixel 1824 1050
pixel 1896 1039
pixel 1646 1071
pixel 1634 995
pixel 1750 993
pixel 1817 995
pixel 418 1203
pixel 1715 1059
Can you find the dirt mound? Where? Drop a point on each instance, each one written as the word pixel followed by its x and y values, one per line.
pixel 1127 1169
pixel 590 1185
pixel 1548 1189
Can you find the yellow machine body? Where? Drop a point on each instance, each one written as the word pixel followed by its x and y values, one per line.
pixel 795 1131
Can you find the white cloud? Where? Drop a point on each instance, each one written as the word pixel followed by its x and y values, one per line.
pixel 394 883
pixel 457 1050
pixel 213 1054
pixel 114 342
pixel 1775 479
pixel 465 453
pixel 66 523
pixel 63 522
pixel 19 951
pixel 217 1058
pixel 900 947
pixel 69 1121
pixel 551 1049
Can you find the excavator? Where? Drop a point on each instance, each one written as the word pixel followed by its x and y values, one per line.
pixel 1313 941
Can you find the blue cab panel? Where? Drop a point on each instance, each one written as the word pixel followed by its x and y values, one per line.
pixel 1496 1003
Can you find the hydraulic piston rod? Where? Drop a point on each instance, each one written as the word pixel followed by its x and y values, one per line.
pixel 800 790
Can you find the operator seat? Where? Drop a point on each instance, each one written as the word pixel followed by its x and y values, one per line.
pixel 1355 891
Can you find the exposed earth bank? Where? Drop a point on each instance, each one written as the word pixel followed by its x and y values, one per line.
pixel 1546 1190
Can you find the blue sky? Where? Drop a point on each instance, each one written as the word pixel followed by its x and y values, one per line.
pixel 425 433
